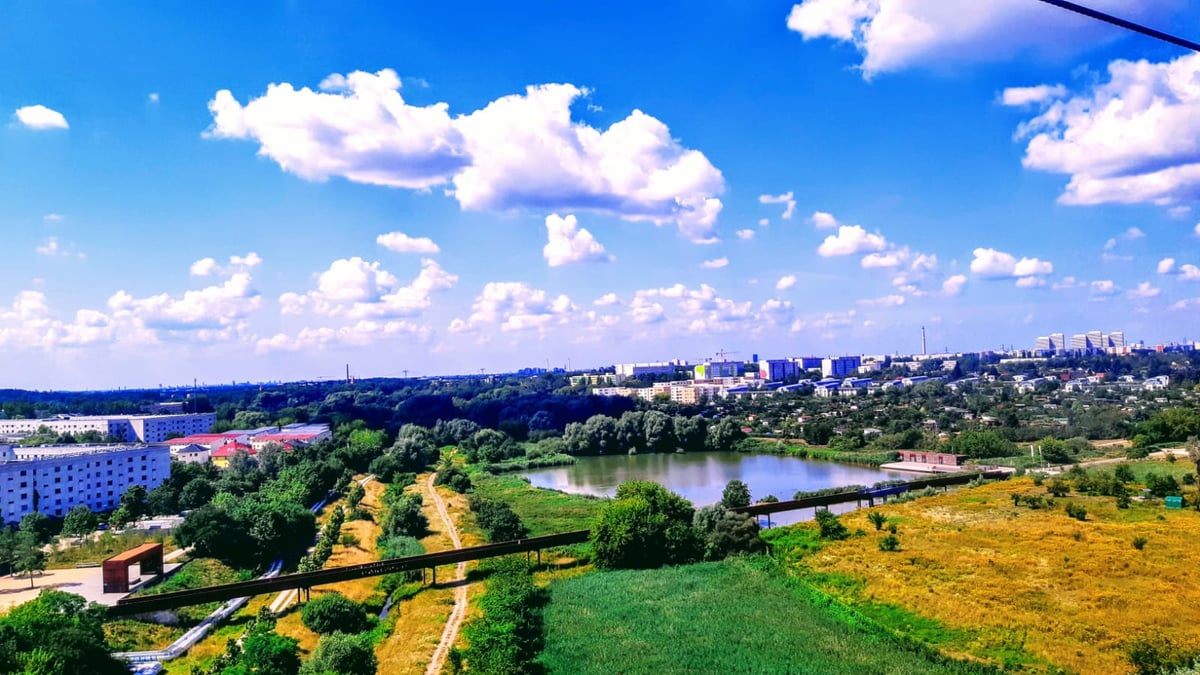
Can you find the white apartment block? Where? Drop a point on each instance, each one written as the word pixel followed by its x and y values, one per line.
pixel 52 479
pixel 625 371
pixel 131 428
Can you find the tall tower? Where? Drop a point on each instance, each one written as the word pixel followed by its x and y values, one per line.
pixel 923 350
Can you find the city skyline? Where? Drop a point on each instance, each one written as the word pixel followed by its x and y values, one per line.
pixel 272 192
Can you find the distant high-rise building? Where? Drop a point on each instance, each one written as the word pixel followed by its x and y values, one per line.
pixel 808 362
pixel 1079 342
pixel 1059 341
pixel 840 366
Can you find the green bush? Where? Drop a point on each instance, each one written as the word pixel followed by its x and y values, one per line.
pixel 1140 542
pixel 342 653
pixel 507 636
pixel 889 543
pixel 830 526
pixel 455 479
pixel 1076 511
pixel 877 519
pixel 645 526
pixel 497 519
pixel 334 612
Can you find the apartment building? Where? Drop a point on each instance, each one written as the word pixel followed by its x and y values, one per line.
pixel 130 428
pixel 52 479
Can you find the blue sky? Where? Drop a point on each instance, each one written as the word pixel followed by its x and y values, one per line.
pixel 272 192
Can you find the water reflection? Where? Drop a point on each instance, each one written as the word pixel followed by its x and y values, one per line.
pixel 701 477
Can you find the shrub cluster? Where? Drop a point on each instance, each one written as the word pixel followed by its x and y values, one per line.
pixel 497 519
pixel 325 541
pixel 334 612
pixel 454 478
pixel 507 636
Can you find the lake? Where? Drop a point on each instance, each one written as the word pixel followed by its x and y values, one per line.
pixel 701 476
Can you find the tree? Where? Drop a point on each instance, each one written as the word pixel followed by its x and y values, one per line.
pixel 341 653
pixel 736 494
pixel 645 526
pixel 1055 451
pixel 727 532
pixel 56 633
pixel 265 652
pixel 27 554
pixel 402 515
pixel 496 519
pixel 133 500
pixel 213 533
pixel 355 495
pixel 79 521
pixel 877 519
pixel 119 518
pixel 334 612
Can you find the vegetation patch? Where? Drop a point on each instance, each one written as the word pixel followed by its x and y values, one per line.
pixel 1016 585
pixel 542 511
pixel 732 616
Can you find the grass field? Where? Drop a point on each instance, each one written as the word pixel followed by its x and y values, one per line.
pixel 976 575
pixel 103 546
pixel 542 511
pixel 737 616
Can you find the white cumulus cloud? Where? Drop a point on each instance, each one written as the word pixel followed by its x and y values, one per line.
pixel 1104 287
pixel 402 243
pixel 745 235
pixel 992 264
pixel 885 301
pixel 606 300
pixel 40 117
pixel 1134 138
pixel 786 282
pixel 1166 265
pixel 897 34
pixel 851 240
pixel 521 151
pixel 358 289
pixel 715 263
pixel 209 267
pixel 1022 96
pixel 823 221
pixel 569 244
pixel 1144 290
pixel 954 284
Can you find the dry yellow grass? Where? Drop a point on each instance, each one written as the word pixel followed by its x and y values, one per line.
pixel 212 646
pixel 421 618
pixel 358 589
pixel 1071 593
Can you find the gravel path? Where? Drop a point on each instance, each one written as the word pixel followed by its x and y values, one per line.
pixel 450 634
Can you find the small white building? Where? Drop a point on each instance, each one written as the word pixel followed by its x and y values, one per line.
pixel 52 479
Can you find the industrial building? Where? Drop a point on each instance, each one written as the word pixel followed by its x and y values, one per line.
pixel 52 479
pixel 840 366
pixel 625 371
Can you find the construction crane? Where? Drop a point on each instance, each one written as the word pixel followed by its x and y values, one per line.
pixel 721 353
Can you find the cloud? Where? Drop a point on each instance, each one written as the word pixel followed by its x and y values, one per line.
pixel 606 300
pixel 50 247
pixel 569 244
pixel 402 243
pixel 357 289
pixel 776 311
pixel 51 218
pixel 1185 304
pixel 1133 233
pixel 1023 96
pixel 1134 138
pixel 1030 282
pixel 885 301
pixel 152 97
pixel 1197 229
pixel 1189 273
pixel 360 334
pixel 214 312
pixel 517 306
pixel 786 198
pixel 763 222
pixel 823 221
pixel 992 264
pixel 40 117
pixel 893 258
pixel 1179 211
pixel 209 267
pixel 28 324
pixel 786 282
pixel 745 235
pixel 954 285
pixel 1104 287
pixel 896 34
pixel 851 240
pixel 715 263
pixel 1144 290
pixel 1067 284
pixel 1166 265
pixel 519 152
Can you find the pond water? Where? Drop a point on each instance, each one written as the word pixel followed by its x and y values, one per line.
pixel 701 476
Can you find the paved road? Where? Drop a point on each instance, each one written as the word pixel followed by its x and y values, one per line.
pixel 450 634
